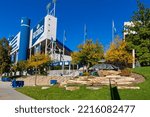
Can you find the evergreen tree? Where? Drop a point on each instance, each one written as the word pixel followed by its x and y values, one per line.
pixel 138 37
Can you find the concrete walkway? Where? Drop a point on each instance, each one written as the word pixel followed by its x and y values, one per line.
pixel 8 93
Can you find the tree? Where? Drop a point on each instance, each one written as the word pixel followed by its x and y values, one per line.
pixel 140 39
pixel 89 54
pixel 4 56
pixel 118 54
pixel 14 68
pixel 22 66
pixel 38 60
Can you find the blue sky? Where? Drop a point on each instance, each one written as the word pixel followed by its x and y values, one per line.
pixel 72 15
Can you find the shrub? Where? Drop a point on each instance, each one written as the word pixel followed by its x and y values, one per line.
pixel 86 74
pixel 125 72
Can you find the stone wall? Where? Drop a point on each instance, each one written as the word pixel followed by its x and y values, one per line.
pixel 43 80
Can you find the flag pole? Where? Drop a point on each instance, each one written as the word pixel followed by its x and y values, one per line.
pixel 64 38
pixel 112 31
pixel 85 33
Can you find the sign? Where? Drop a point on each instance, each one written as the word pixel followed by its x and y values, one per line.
pixel 14 43
pixel 37 32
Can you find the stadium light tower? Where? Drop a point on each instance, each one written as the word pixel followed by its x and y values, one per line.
pixel 54 1
pixel 48 8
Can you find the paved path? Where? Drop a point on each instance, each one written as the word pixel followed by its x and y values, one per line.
pixel 8 93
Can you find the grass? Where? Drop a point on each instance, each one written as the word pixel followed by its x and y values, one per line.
pixel 56 93
pixel 144 92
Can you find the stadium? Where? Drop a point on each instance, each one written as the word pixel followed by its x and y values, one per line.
pixel 42 38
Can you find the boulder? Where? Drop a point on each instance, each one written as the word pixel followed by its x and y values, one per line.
pixel 124 83
pixel 127 87
pixel 44 88
pixel 76 82
pixel 93 88
pixel 63 84
pixel 108 72
pixel 72 88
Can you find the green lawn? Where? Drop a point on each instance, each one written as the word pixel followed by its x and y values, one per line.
pixel 55 93
pixel 144 92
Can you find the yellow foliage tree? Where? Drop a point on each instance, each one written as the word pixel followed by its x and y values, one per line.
pixel 117 53
pixel 38 60
pixel 89 54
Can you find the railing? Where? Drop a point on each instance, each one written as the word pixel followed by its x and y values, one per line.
pixel 66 72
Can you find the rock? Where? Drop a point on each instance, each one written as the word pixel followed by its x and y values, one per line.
pixel 108 72
pixel 62 84
pixel 93 88
pixel 82 78
pixel 43 80
pixel 72 88
pixel 113 76
pixel 125 80
pixel 124 83
pixel 43 88
pixel 138 78
pixel 76 82
pixel 127 87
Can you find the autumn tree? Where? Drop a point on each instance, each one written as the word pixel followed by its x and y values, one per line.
pixel 38 60
pixel 14 68
pixel 22 66
pixel 88 54
pixel 117 54
pixel 138 34
pixel 4 56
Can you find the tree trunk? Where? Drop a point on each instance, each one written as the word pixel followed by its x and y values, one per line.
pixel 87 67
pixel 35 76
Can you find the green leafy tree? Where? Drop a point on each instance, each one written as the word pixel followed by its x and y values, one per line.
pixel 138 37
pixel 22 66
pixel 4 56
pixel 89 54
pixel 38 60
pixel 118 55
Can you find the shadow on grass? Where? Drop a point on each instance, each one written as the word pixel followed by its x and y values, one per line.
pixel 114 92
